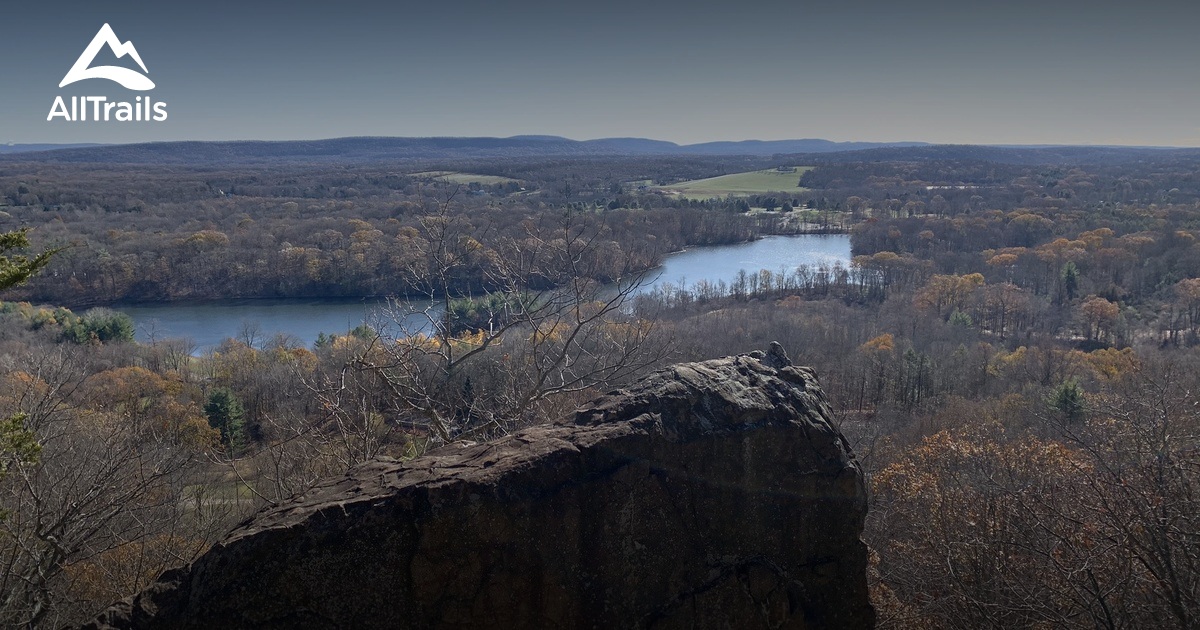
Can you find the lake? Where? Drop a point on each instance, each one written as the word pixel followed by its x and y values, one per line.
pixel 208 324
pixel 723 262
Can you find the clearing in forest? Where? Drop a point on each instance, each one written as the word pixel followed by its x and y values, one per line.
pixel 465 178
pixel 783 179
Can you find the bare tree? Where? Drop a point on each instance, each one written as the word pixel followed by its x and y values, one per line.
pixel 1093 527
pixel 1143 443
pixel 550 322
pixel 101 511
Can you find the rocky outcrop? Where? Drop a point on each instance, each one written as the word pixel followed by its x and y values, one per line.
pixel 709 495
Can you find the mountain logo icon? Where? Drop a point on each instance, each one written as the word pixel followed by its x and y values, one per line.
pixel 130 79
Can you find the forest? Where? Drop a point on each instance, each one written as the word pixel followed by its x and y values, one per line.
pixel 1013 353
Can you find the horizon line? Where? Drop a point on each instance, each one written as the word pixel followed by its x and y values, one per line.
pixel 553 136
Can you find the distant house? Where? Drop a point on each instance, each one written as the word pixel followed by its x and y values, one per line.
pixel 785 169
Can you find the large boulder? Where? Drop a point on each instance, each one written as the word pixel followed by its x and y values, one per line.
pixel 708 495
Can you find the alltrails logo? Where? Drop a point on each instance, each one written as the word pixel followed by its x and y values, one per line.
pixel 99 107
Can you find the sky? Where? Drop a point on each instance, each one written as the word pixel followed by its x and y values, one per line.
pixel 1016 72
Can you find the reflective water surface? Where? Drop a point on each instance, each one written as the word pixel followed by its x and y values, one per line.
pixel 208 324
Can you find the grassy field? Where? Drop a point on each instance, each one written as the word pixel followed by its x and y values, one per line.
pixel 465 178
pixel 739 184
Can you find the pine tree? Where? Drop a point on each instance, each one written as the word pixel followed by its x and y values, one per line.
pixel 18 445
pixel 226 414
pixel 1070 280
pixel 15 270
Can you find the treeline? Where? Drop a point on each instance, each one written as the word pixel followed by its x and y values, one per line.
pixel 276 233
pixel 956 187
pixel 556 179
pixel 1134 279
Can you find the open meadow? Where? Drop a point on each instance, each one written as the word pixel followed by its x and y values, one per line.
pixel 453 177
pixel 783 179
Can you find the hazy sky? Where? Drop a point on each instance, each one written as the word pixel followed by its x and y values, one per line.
pixel 1022 71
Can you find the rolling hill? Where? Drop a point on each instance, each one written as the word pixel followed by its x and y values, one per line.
pixel 376 149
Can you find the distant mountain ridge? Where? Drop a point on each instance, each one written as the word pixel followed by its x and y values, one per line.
pixel 1024 155
pixel 29 148
pixel 739 147
pixel 384 148
pixel 374 149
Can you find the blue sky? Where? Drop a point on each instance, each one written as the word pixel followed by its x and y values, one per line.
pixel 1016 72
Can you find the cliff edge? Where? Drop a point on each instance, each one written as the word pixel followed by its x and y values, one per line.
pixel 714 494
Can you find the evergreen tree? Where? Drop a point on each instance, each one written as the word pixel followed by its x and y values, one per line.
pixel 226 414
pixel 16 270
pixel 1068 400
pixel 18 444
pixel 1070 280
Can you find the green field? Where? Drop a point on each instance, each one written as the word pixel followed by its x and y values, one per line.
pixel 739 184
pixel 465 178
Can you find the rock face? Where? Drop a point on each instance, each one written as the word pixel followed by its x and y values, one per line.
pixel 709 495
